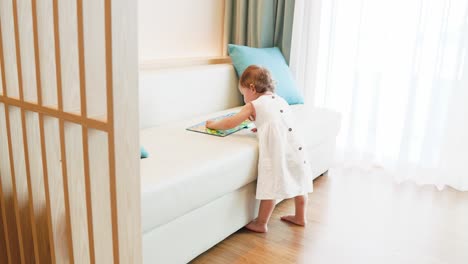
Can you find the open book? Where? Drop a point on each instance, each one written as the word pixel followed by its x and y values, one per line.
pixel 201 128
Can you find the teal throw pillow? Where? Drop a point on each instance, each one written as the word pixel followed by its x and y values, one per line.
pixel 143 153
pixel 272 59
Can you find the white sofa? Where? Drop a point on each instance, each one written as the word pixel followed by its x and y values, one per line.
pixel 199 189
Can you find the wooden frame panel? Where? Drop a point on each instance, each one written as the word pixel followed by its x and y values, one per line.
pixel 121 34
pixel 55 204
pixel 23 172
pixel 8 204
pixel 9 209
pixel 4 254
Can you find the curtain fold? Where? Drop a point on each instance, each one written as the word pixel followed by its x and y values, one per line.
pixel 261 23
pixel 304 46
pixel 397 71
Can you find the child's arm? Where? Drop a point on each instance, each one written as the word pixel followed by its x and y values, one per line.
pixel 232 121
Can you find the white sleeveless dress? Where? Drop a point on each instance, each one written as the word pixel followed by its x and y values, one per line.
pixel 283 169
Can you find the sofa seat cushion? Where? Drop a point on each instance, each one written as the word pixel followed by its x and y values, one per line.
pixel 187 170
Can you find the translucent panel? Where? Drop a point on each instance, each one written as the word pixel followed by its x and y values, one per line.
pixel 5 174
pixel 76 183
pixel 51 205
pixel 99 173
pixel 9 50
pixel 21 181
pixel 27 50
pixel 94 49
pixel 45 28
pixel 37 185
pixel 69 56
pixel 56 189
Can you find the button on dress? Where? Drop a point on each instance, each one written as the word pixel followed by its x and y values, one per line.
pixel 282 168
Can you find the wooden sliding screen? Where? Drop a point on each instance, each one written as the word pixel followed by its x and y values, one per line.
pixel 69 154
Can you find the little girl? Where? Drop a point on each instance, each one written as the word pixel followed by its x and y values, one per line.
pixel 283 171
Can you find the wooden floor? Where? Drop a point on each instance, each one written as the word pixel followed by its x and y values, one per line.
pixel 359 218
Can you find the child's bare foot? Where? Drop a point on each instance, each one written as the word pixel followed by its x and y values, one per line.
pixel 293 219
pixel 257 227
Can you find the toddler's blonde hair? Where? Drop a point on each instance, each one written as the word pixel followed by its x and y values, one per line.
pixel 258 77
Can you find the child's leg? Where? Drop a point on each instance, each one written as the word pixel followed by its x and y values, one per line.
pixel 300 217
pixel 260 224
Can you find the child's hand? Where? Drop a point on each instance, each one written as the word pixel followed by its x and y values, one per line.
pixel 254 130
pixel 209 123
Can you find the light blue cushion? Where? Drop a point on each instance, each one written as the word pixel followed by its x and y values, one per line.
pixel 143 153
pixel 272 59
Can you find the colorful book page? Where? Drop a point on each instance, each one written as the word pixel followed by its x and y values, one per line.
pixel 201 127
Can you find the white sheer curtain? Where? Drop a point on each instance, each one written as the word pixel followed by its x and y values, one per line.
pixel 397 71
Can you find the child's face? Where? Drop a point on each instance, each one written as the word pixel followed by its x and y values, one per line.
pixel 249 93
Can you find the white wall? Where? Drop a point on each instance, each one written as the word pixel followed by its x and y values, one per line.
pixel 180 29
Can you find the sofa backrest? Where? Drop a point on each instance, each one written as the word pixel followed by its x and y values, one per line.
pixel 174 94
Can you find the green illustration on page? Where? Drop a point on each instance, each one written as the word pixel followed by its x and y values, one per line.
pixel 201 127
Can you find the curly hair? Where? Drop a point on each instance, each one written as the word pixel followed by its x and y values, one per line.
pixel 259 77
